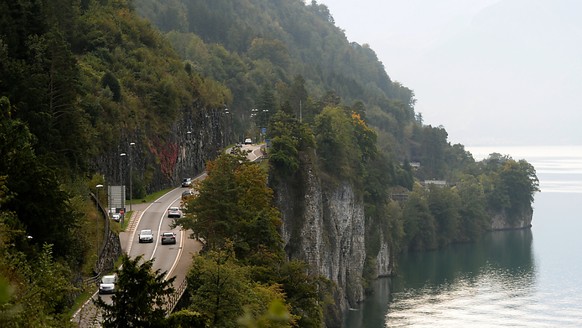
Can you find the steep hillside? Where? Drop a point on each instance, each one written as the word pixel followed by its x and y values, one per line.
pixel 357 176
pixel 342 136
pixel 251 44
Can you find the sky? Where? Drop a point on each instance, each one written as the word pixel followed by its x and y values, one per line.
pixel 491 72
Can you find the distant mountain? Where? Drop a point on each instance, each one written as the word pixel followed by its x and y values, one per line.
pixel 254 43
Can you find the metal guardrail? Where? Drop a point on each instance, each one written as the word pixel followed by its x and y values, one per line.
pixel 175 297
pixel 92 280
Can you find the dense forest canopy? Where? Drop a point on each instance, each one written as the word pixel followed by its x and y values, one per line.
pixel 251 44
pixel 79 79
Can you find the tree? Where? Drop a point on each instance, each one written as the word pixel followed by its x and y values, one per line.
pixel 335 142
pixel 419 224
pixel 303 293
pixel 298 96
pixel 473 215
pixel 212 214
pixel 39 202
pixel 284 151
pixel 234 203
pixel 140 296
pixel 444 204
pixel 219 288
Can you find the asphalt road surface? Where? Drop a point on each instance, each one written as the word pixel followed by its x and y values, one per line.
pixel 175 260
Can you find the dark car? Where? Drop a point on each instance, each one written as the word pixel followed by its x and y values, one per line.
pixel 187 193
pixel 168 238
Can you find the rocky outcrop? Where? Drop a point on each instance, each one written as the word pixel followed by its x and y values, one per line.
pixel 325 227
pixel 160 160
pixel 327 232
pixel 383 259
pixel 504 221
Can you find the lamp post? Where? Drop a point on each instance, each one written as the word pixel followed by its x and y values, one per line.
pixel 122 189
pixel 227 123
pixel 130 175
pixel 254 113
pixel 97 187
pixel 265 122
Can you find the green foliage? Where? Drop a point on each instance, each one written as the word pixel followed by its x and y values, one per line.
pixel 419 223
pixel 276 315
pixel 288 138
pixel 37 198
pixel 335 144
pixel 222 292
pixel 85 75
pixel 139 297
pixel 444 205
pixel 110 81
pixel 509 185
pixel 187 318
pixel 498 185
pixel 303 293
pixel 36 285
pixel 290 44
pixel 474 218
pixel 234 203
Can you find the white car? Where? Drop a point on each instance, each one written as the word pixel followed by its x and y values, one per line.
pixel 107 285
pixel 146 236
pixel 186 182
pixel 248 141
pixel 116 217
pixel 174 212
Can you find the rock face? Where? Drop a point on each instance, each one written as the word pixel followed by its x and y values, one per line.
pixel 383 259
pixel 502 221
pixel 328 234
pixel 159 161
pixel 325 227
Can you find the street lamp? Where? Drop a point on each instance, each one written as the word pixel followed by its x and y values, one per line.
pixel 130 175
pixel 122 189
pixel 264 123
pixel 97 187
pixel 226 125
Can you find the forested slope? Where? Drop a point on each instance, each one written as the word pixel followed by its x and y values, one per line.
pixel 81 80
pixel 339 125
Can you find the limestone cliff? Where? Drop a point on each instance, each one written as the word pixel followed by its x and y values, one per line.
pixel 161 160
pixel 325 227
pixel 504 221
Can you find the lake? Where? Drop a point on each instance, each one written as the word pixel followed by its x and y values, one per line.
pixel 527 278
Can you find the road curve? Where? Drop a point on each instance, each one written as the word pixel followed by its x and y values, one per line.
pixel 175 260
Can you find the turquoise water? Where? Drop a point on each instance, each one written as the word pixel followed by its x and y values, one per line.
pixel 529 278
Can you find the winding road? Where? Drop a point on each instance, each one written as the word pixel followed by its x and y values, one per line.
pixel 175 260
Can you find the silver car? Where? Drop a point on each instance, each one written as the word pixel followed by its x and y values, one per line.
pixel 146 236
pixel 174 212
pixel 107 285
pixel 168 238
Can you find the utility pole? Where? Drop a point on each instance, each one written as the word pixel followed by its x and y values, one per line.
pixel 130 175
pixel 300 113
pixel 122 188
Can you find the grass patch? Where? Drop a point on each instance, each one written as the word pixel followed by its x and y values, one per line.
pixel 150 198
pixel 87 293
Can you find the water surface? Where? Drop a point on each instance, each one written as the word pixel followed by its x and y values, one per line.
pixel 527 278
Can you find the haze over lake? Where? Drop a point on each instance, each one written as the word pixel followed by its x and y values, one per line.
pixel 527 278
